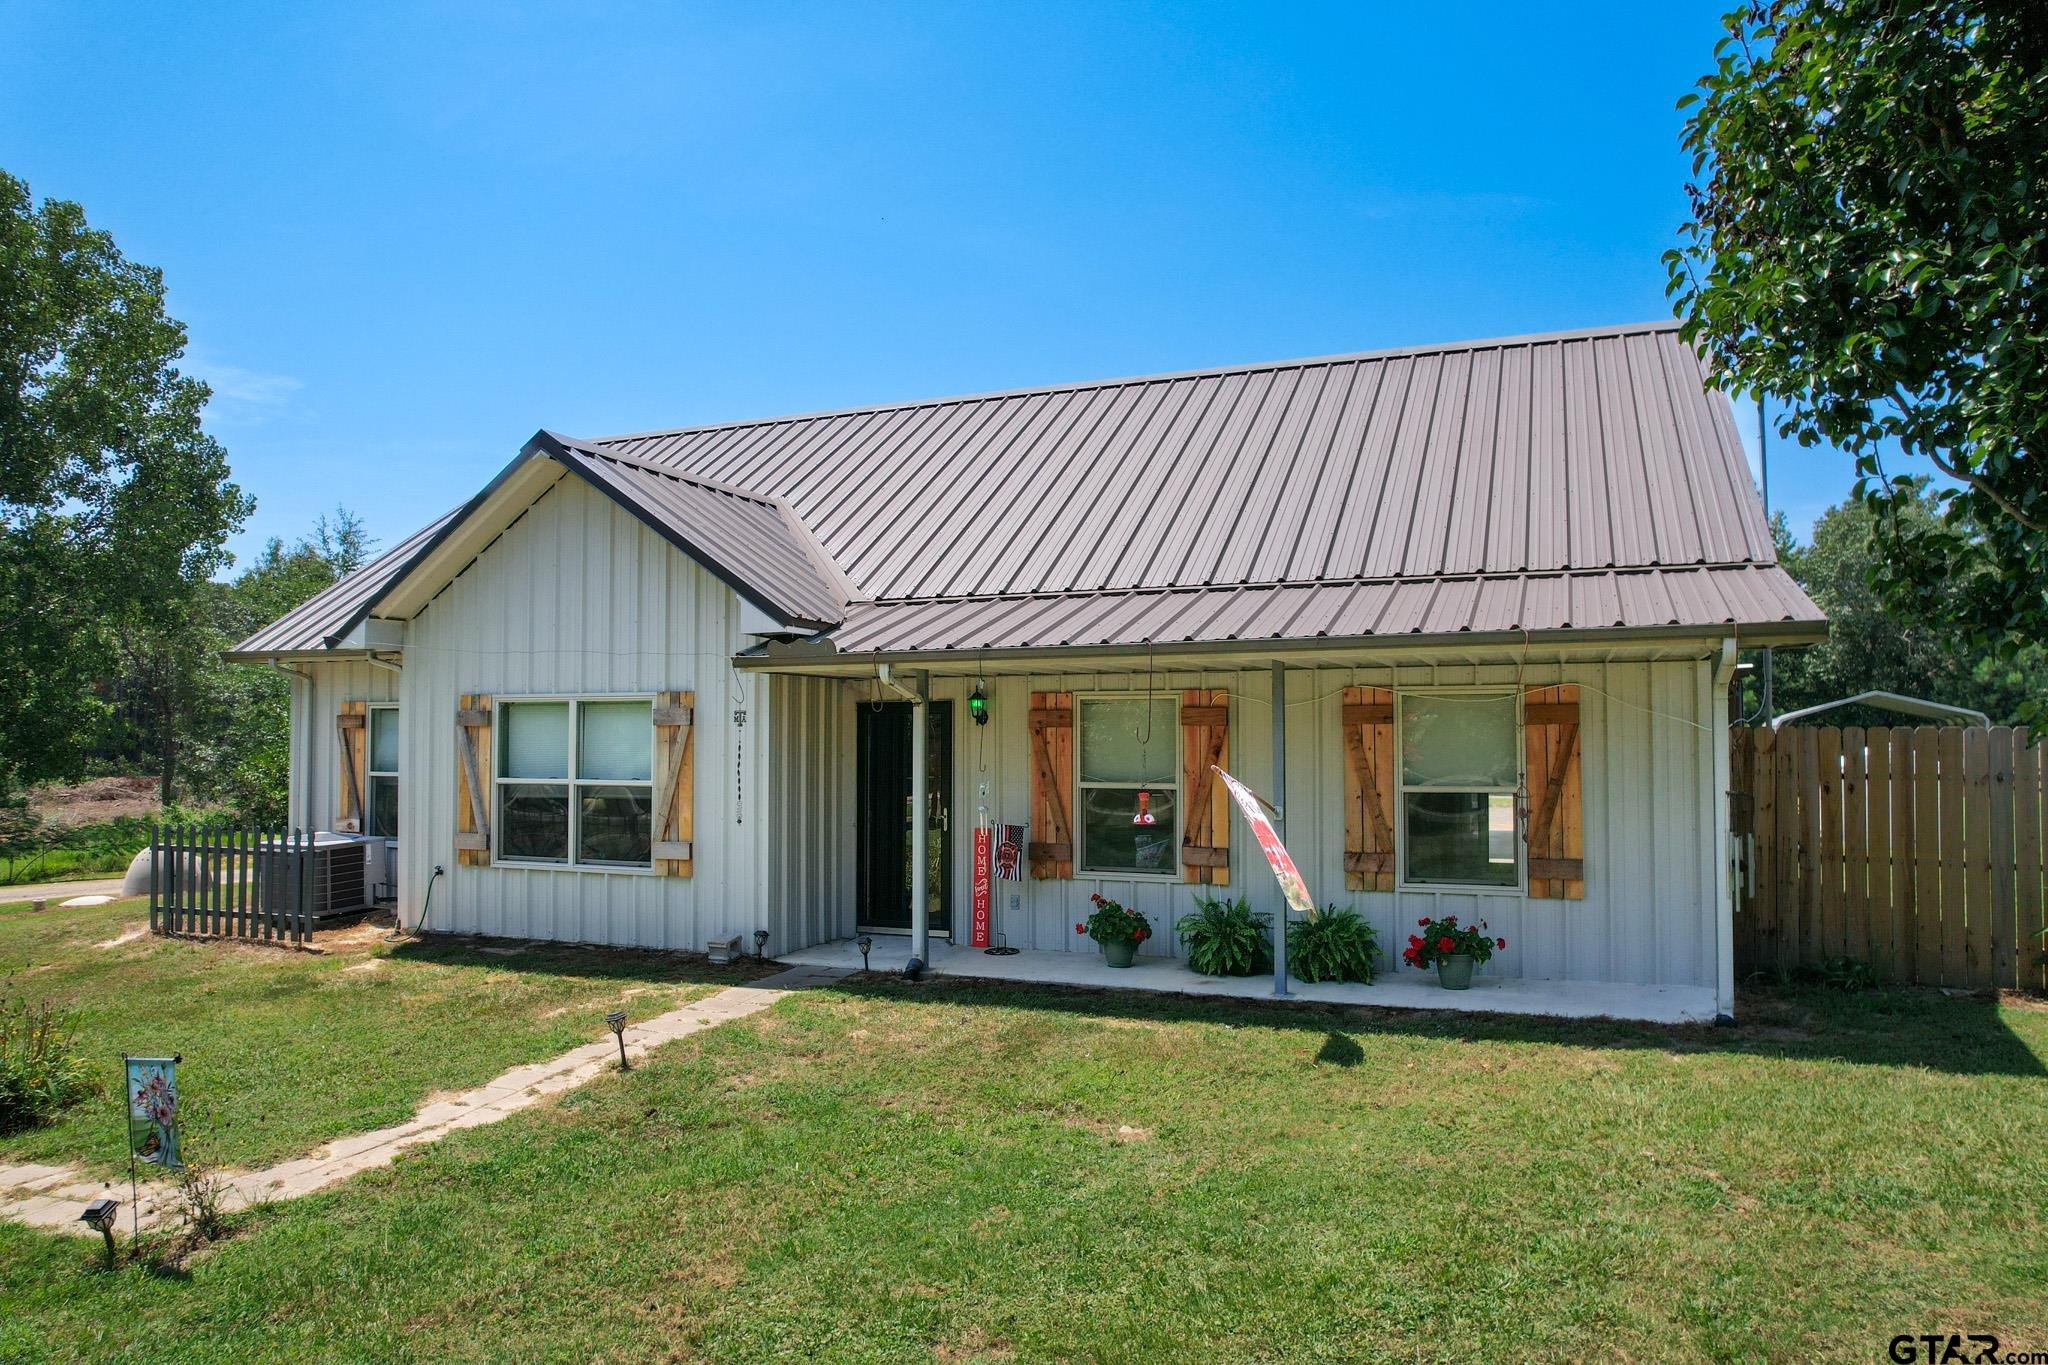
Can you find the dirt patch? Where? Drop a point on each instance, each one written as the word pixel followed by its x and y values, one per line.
pixel 103 798
pixel 1116 1132
pixel 127 936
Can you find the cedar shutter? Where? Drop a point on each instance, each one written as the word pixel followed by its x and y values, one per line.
pixel 1368 724
pixel 473 802
pixel 1205 818
pixel 352 742
pixel 1554 828
pixel 1052 785
pixel 675 783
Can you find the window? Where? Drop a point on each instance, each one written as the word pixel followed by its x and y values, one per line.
pixel 1129 764
pixel 382 770
pixel 1460 775
pixel 576 782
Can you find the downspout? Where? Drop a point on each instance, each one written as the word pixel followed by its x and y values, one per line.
pixel 1280 990
pixel 920 819
pixel 1724 904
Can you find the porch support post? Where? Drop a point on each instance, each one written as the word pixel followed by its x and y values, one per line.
pixel 920 830
pixel 1280 820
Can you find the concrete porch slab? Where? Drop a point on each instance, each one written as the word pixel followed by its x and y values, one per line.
pixel 1398 990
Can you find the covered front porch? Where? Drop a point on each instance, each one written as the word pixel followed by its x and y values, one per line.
pixel 1404 990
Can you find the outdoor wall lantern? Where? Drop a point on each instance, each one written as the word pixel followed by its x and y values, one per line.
pixel 616 1022
pixel 760 942
pixel 863 943
pixel 977 704
pixel 99 1215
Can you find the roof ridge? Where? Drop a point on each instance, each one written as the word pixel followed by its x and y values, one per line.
pixel 1211 372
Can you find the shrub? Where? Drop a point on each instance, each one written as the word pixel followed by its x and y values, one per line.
pixel 40 1071
pixel 1337 945
pixel 1112 923
pixel 1839 974
pixel 1224 938
pixel 1443 938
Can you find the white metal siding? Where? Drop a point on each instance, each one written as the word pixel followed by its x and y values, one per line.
pixel 316 750
pixel 578 596
pixel 1648 737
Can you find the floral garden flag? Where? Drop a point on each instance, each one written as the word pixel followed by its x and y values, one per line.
pixel 153 1110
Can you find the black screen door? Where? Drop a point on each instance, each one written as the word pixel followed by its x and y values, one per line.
pixel 882 740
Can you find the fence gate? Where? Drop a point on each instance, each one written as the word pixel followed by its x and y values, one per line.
pixel 1916 849
pixel 220 881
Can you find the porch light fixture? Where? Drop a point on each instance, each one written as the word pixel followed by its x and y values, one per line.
pixel 863 943
pixel 977 704
pixel 760 942
pixel 616 1022
pixel 99 1215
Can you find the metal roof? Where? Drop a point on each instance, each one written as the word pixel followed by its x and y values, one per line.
pixel 1637 599
pixel 1578 480
pixel 321 619
pixel 1587 450
pixel 756 544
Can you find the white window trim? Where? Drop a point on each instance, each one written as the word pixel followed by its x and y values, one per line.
pixel 1083 873
pixel 371 772
pixel 499 781
pixel 1402 882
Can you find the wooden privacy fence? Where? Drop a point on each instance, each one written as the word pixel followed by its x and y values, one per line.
pixel 1917 850
pixel 218 881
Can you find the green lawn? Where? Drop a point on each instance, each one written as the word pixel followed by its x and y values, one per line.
pixel 948 1171
pixel 286 1050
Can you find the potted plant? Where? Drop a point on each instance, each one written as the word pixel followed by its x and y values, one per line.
pixel 1224 938
pixel 1118 930
pixel 1453 949
pixel 1334 945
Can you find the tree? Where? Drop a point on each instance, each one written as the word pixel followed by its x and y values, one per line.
pixel 1867 245
pixel 236 730
pixel 115 506
pixel 1870 646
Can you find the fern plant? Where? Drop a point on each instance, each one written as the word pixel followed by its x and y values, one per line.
pixel 1224 938
pixel 1337 945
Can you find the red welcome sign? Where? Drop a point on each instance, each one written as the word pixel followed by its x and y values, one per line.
pixel 978 935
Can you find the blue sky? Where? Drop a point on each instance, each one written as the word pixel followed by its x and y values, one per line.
pixel 405 237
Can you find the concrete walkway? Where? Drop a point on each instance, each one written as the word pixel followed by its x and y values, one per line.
pixel 58 891
pixel 52 1197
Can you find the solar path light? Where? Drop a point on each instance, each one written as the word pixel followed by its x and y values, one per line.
pixel 99 1215
pixel 616 1022
pixel 863 943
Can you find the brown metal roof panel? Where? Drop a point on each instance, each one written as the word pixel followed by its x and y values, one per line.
pixel 1498 604
pixel 1550 492
pixel 1438 481
pixel 309 625
pixel 1472 480
pixel 1621 459
pixel 1505 502
pixel 1265 479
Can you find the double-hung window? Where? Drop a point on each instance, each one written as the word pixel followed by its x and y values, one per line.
pixel 1129 785
pixel 1460 778
pixel 575 782
pixel 381 820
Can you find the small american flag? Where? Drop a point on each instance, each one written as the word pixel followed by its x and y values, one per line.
pixel 1009 852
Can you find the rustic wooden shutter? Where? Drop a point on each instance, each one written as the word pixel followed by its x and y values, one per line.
pixel 1052 785
pixel 675 783
pixel 473 802
pixel 1368 723
pixel 1554 828
pixel 351 739
pixel 1205 818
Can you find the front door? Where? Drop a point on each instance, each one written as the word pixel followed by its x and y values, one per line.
pixel 882 741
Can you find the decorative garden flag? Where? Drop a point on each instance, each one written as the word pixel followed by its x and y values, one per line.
pixel 1277 857
pixel 1010 852
pixel 153 1110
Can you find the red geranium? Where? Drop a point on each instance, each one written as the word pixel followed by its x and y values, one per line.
pixel 1112 923
pixel 1445 938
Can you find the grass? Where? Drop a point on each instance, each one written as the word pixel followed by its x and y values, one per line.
pixel 956 1171
pixel 286 1050
pixel 66 864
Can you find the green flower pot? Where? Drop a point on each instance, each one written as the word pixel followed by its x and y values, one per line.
pixel 1126 953
pixel 1454 973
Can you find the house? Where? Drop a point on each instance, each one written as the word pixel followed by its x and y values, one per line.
pixel 656 688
